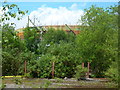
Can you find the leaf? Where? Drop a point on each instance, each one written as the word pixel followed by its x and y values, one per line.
pixel 26 11
pixel 12 23
pixel 13 5
pixel 2 19
pixel 18 18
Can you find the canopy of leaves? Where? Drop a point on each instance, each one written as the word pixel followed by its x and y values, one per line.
pixel 98 42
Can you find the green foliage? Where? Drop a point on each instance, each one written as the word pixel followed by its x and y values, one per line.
pixel 2 86
pixel 47 84
pixel 17 81
pixel 44 66
pixel 66 59
pixel 31 39
pixel 27 75
pixel 55 36
pixel 11 11
pixel 98 18
pixel 15 52
pixel 12 47
pixel 80 72
pixel 62 49
pixel 112 72
pixel 59 50
pixel 97 43
pixel 10 65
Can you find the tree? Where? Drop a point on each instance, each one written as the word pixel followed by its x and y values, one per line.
pixel 53 36
pixel 97 43
pixel 12 45
pixel 31 39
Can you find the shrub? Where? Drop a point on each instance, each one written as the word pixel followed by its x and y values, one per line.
pixel 112 72
pixel 80 72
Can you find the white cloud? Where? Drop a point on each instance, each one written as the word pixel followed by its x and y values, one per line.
pixel 60 15
pixel 74 6
pixel 52 16
pixel 21 23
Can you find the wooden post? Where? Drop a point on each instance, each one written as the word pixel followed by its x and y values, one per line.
pixel 25 68
pixel 53 64
pixel 88 69
pixel 82 65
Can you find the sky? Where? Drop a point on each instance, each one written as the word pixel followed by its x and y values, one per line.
pixel 54 13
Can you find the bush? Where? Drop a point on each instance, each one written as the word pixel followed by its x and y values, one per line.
pixel 45 66
pixel 112 72
pixel 80 72
pixel 61 46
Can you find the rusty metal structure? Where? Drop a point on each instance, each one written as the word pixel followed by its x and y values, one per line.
pixel 70 28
